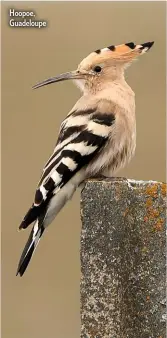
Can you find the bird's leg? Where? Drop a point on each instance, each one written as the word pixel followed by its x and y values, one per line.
pixel 98 176
pixel 104 177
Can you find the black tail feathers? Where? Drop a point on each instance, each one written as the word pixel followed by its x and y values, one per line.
pixel 30 247
pixel 30 216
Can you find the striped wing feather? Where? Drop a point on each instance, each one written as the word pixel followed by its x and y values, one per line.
pixel 82 136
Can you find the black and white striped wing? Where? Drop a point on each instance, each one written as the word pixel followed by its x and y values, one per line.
pixel 82 136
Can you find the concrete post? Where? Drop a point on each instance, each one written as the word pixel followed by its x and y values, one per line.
pixel 123 259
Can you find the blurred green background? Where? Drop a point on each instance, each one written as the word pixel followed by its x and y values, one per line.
pixel 45 302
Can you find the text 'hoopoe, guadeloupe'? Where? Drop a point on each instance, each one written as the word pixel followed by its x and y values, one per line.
pixel 97 137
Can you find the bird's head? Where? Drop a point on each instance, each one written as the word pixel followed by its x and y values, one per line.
pixel 102 65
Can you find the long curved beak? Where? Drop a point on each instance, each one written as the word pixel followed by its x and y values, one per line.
pixel 62 77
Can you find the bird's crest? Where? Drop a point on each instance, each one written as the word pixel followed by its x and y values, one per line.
pixel 120 53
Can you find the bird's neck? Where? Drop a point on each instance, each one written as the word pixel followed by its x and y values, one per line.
pixel 117 92
pixel 109 85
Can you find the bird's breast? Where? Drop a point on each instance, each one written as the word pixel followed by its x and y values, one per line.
pixel 119 148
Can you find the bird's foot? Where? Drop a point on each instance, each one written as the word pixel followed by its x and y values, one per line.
pixel 104 177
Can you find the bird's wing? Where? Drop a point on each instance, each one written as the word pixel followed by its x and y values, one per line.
pixel 82 135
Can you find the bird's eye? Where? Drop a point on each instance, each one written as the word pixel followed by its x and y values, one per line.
pixel 97 69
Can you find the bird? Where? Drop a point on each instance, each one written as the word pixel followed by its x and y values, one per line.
pixel 96 138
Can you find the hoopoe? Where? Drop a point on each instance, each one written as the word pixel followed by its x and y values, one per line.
pixel 97 137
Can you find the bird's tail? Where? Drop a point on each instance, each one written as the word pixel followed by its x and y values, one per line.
pixel 30 247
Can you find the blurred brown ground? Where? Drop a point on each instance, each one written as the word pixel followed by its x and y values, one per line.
pixel 45 302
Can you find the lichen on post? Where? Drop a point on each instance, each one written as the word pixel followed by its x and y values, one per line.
pixel 123 259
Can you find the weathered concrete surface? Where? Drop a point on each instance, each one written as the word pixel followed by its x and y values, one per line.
pixel 123 259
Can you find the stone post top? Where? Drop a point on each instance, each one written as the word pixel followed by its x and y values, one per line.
pixel 130 182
